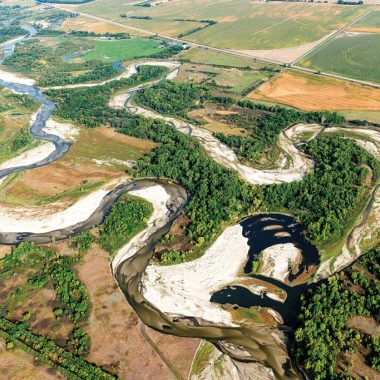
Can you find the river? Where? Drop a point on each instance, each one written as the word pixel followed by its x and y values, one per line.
pixel 256 342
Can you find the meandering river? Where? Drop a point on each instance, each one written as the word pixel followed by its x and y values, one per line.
pixel 259 342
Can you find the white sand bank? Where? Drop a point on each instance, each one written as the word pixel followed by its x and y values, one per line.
pixel 278 260
pixel 30 157
pixel 186 288
pixel 65 131
pixel 159 198
pixel 35 220
pixel 6 76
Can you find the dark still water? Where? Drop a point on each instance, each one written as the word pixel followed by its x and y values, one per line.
pixel 264 231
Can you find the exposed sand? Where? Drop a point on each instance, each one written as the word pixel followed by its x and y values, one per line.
pixel 278 260
pixel 46 219
pixel 7 76
pixel 65 131
pixel 285 55
pixel 185 289
pixel 310 92
pixel 159 198
pixel 30 157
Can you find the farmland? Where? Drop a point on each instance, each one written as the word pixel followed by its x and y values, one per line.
pixel 240 25
pixel 353 55
pixel 111 51
pixel 369 24
pixel 311 92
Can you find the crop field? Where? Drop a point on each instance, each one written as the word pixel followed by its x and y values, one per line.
pixel 111 51
pixel 210 57
pixel 311 92
pixel 240 25
pixel 355 55
pixel 369 24
pixel 89 24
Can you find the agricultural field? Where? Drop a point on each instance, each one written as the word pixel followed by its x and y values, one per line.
pixel 240 25
pixel 210 57
pixel 351 54
pixel 111 51
pixel 368 24
pixel 224 79
pixel 89 24
pixel 311 92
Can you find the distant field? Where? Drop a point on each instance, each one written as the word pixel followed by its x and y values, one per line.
pixel 370 23
pixel 311 92
pixel 91 25
pixel 352 55
pixel 211 57
pixel 111 51
pixel 226 80
pixel 241 24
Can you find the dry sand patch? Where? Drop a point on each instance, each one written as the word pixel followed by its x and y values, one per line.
pixel 311 92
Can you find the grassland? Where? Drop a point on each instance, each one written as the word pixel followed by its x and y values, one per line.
pixel 311 92
pixel 111 51
pixel 240 25
pixel 15 115
pixel 223 80
pixel 352 55
pixel 98 156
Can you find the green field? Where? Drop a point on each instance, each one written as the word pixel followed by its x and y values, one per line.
pixel 111 51
pixel 240 24
pixel 372 20
pixel 211 57
pixel 355 56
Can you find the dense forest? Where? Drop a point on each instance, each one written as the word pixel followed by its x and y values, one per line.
pixel 331 340
pixel 127 218
pixel 172 98
pixel 328 198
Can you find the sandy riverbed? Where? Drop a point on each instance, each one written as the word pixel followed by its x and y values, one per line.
pixel 65 131
pixel 29 157
pixel 185 289
pixel 9 77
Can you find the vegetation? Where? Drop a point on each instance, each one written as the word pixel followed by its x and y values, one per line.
pixel 322 338
pixel 127 218
pixel 70 365
pixel 11 32
pixel 44 266
pixel 264 128
pixel 89 106
pixel 117 36
pixel 171 98
pixel 123 49
pixel 197 29
pixel 352 56
pixel 338 188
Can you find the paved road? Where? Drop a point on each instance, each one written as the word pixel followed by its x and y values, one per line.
pixel 235 53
